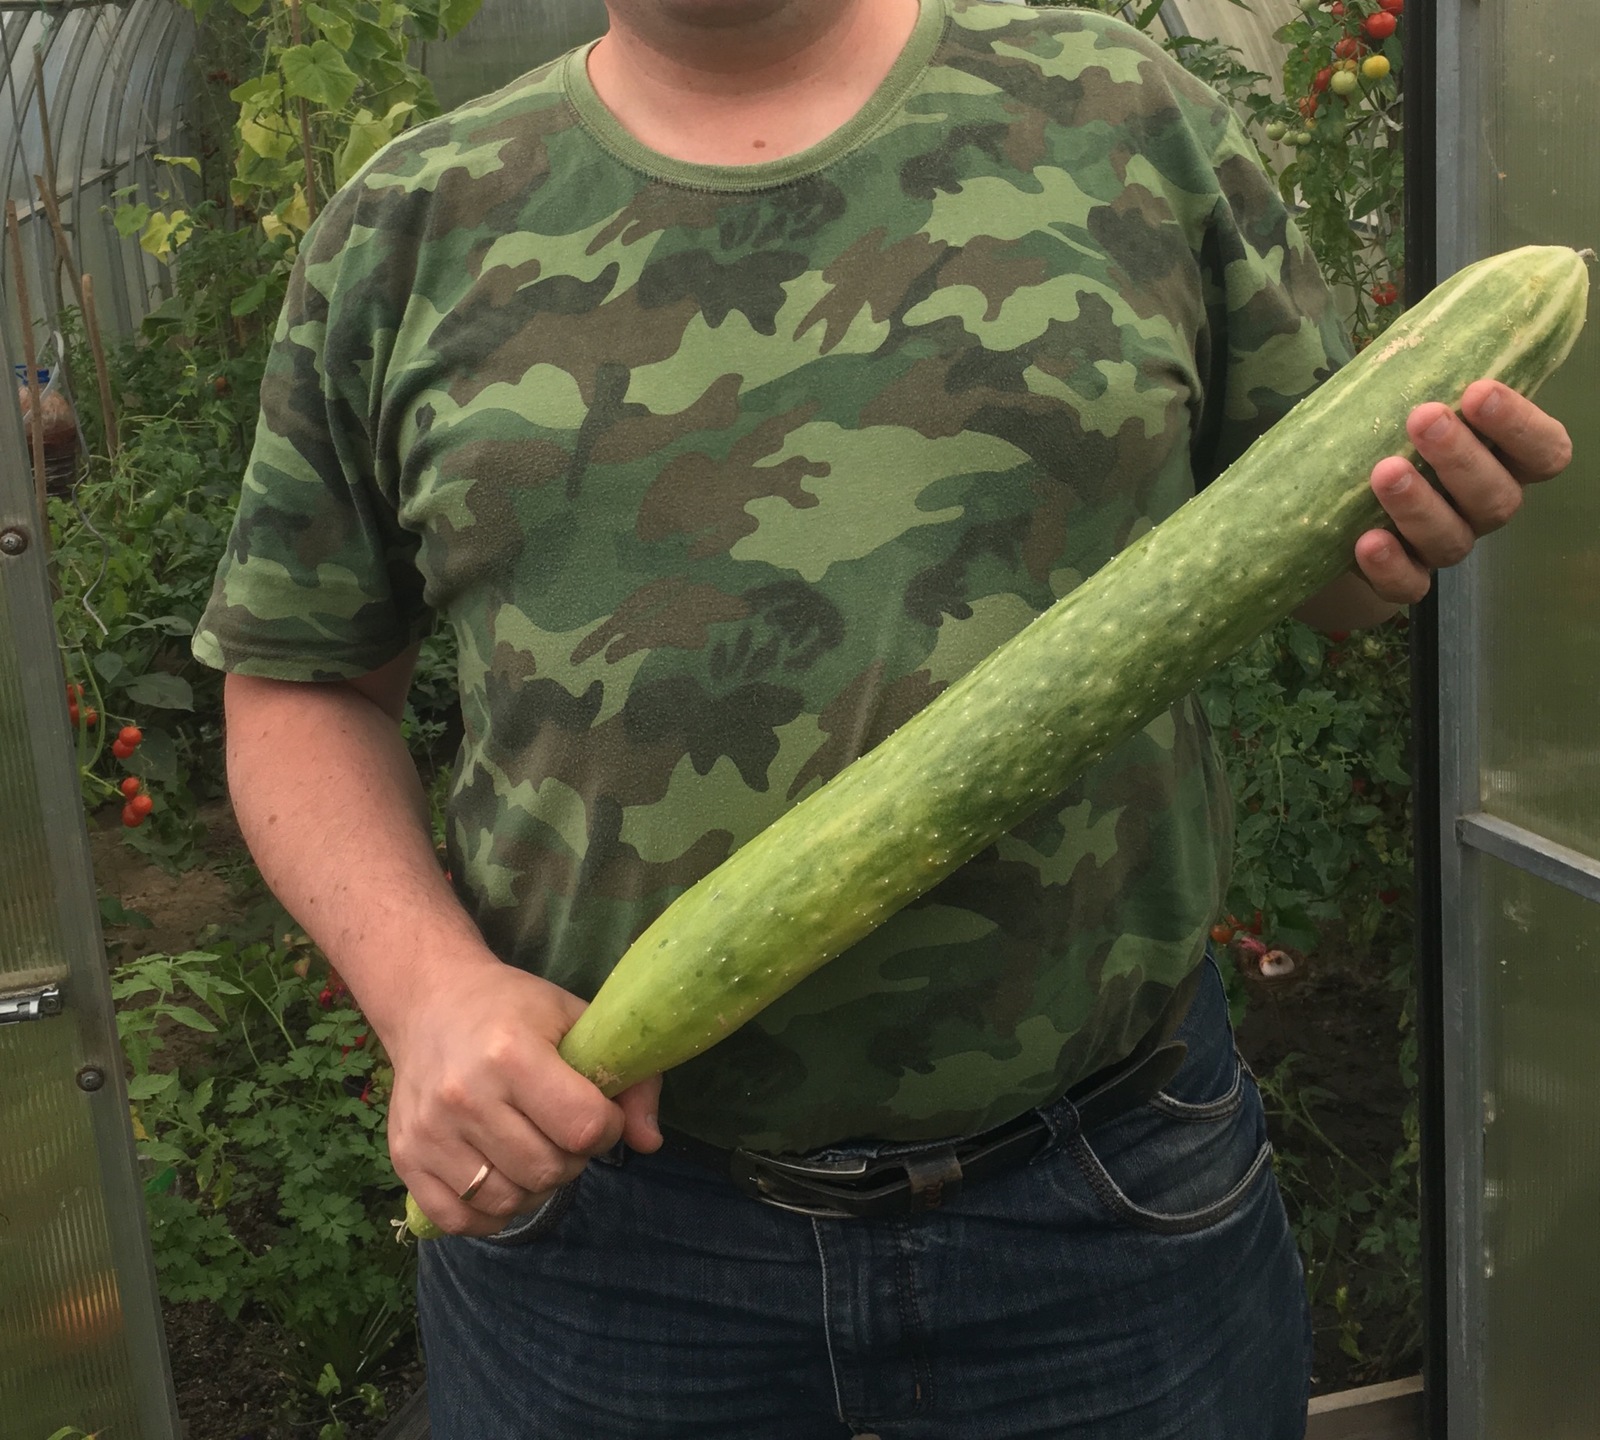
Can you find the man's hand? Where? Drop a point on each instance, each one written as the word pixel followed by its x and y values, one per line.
pixel 478 1078
pixel 342 838
pixel 1483 465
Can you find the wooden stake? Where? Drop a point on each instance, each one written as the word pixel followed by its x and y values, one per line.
pixel 108 413
pixel 305 126
pixel 52 211
pixel 30 359
pixel 44 117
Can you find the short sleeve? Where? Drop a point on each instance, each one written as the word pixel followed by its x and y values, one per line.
pixel 1273 333
pixel 319 580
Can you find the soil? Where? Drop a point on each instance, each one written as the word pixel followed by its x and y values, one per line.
pixel 1336 1019
pixel 1335 1014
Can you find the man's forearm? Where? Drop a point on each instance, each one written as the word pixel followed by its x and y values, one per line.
pixel 1349 603
pixel 341 836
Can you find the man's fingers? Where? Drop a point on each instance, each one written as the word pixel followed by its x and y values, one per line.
pixel 489 1211
pixel 1533 446
pixel 1480 487
pixel 1390 569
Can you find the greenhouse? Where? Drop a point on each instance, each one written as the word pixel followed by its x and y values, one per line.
pixel 991 622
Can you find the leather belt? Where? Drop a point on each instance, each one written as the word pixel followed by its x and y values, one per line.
pixel 908 1179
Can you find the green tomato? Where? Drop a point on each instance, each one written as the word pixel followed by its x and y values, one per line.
pixel 1344 82
pixel 1277 130
pixel 417 1224
pixel 1301 137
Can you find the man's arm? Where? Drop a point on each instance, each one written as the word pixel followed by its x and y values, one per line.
pixel 340 833
pixel 1483 466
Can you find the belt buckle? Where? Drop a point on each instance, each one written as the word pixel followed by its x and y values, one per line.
pixel 770 1178
pixel 919 1178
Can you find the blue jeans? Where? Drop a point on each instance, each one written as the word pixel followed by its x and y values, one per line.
pixel 1136 1283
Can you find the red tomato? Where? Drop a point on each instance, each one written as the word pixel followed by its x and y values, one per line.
pixel 1349 48
pixel 131 817
pixel 141 805
pixel 129 787
pixel 1379 26
pixel 1394 7
pixel 130 735
pixel 1320 82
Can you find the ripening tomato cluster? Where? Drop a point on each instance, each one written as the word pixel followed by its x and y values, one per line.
pixel 137 802
pixel 1353 59
pixel 84 717
pixel 1224 931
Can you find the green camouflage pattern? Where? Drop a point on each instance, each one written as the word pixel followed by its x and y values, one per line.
pixel 719 474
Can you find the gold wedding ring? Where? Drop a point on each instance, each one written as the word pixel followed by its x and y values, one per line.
pixel 477 1181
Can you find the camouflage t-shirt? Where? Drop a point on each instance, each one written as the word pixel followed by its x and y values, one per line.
pixel 719 474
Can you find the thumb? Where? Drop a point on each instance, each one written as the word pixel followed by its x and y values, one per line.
pixel 640 1128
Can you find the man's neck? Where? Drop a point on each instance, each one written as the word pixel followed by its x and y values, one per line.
pixel 737 82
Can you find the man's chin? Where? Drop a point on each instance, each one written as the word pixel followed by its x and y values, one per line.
pixel 713 14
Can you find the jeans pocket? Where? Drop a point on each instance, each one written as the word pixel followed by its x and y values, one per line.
pixel 1175 1167
pixel 537 1224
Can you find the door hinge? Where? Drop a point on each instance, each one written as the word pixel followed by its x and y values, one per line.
pixel 38 1004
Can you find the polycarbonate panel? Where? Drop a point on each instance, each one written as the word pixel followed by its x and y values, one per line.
pixel 1540 618
pixel 80 1329
pixel 1541 1289
pixel 507 38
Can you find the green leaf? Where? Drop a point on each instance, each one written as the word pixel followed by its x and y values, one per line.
pixel 165 692
pixel 109 666
pixel 188 1015
pixel 188 162
pixel 335 28
pixel 258 89
pixel 328 1382
pixel 130 219
pixel 247 302
pixel 148 1087
pixel 1306 647
pixel 317 72
pixel 113 912
pixel 454 15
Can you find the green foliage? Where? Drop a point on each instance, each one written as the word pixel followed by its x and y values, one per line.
pixel 1316 732
pixel 334 83
pixel 135 546
pixel 267 1177
pixel 1348 173
pixel 1360 1234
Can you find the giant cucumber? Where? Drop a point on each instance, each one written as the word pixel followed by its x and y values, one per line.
pixel 1275 528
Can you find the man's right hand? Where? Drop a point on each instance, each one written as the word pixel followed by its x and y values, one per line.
pixel 342 838
pixel 478 1078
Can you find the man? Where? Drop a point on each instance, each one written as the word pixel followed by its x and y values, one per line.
pixel 731 387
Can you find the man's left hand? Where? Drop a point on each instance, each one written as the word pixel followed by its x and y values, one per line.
pixel 1500 443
